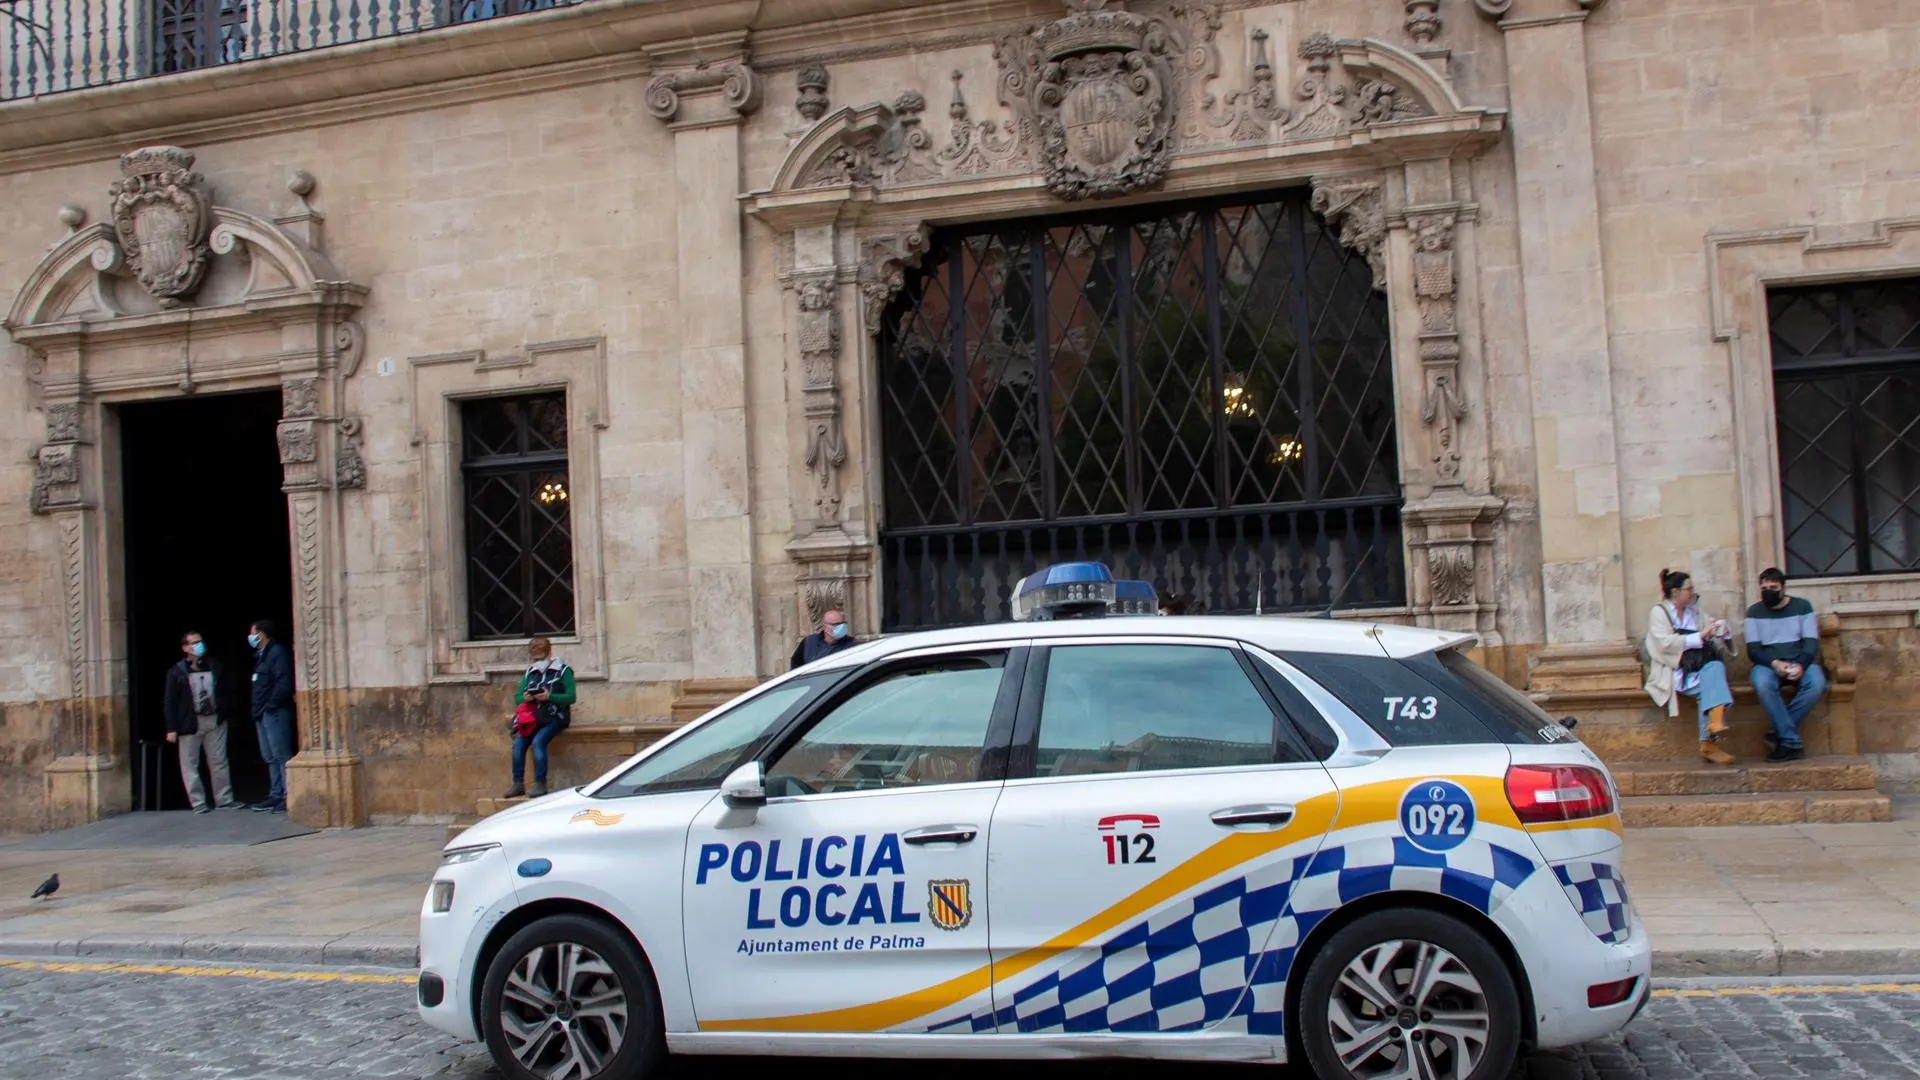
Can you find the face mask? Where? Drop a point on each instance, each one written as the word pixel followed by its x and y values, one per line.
pixel 253 640
pixel 199 648
pixel 1771 596
pixel 838 632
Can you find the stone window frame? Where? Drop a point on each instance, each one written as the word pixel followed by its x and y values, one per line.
pixel 439 383
pixel 1741 267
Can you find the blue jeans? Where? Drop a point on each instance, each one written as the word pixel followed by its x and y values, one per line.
pixel 542 735
pixel 1712 692
pixel 275 729
pixel 1788 716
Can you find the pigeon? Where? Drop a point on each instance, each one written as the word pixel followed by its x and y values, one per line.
pixel 47 887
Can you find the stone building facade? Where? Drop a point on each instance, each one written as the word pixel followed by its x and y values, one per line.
pixel 661 326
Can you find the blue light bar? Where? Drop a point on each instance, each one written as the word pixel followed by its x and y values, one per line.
pixel 1135 598
pixel 1066 590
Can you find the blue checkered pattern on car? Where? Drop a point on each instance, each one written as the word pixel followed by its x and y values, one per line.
pixel 1599 893
pixel 1221 957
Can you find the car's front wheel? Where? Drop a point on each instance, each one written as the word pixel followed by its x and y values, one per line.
pixel 1409 994
pixel 567 998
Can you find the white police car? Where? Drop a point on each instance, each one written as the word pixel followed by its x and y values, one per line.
pixel 1206 838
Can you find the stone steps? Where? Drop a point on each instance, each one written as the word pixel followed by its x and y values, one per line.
pixel 1768 808
pixel 1751 792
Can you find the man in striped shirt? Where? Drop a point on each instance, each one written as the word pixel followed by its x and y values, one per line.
pixel 1783 641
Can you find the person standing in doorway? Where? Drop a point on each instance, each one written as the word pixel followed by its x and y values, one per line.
pixel 272 711
pixel 543 709
pixel 192 707
pixel 834 635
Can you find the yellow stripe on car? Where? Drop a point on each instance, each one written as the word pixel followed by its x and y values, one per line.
pixel 1311 818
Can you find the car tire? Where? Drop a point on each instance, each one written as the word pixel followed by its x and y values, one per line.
pixel 1474 1034
pixel 538 1029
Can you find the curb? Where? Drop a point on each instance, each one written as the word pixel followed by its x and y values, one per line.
pixel 314 950
pixel 1776 961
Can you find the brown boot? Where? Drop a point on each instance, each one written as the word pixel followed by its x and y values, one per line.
pixel 1717 725
pixel 1715 755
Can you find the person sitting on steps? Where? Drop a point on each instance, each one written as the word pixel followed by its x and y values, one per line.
pixel 548 689
pixel 1685 653
pixel 1783 641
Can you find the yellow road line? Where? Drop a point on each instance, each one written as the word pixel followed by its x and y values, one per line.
pixel 1786 991
pixel 120 968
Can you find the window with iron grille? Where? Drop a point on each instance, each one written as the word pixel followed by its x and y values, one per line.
pixel 519 532
pixel 1199 395
pixel 1846 391
pixel 190 34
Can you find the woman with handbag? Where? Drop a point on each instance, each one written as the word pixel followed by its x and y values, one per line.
pixel 543 707
pixel 1686 654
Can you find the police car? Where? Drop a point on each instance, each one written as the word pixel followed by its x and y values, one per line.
pixel 1209 838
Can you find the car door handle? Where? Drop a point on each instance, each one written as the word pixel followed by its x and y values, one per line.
pixel 1253 815
pixel 941 834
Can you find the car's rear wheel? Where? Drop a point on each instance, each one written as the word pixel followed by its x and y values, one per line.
pixel 1409 995
pixel 567 998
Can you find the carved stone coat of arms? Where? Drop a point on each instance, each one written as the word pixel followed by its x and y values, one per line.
pixel 163 214
pixel 1102 101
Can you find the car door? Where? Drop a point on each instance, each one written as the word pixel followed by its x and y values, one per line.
pixel 1158 807
pixel 853 899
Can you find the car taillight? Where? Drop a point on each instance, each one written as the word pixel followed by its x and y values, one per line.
pixel 1545 793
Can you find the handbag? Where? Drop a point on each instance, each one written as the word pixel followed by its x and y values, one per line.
pixel 525 719
pixel 1692 660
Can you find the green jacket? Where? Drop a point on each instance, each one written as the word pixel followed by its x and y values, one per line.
pixel 557 677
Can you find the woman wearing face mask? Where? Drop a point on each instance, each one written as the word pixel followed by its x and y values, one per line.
pixel 543 709
pixel 834 635
pixel 1686 655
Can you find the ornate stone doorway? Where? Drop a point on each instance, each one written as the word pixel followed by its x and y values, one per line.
pixel 204 531
pixel 180 295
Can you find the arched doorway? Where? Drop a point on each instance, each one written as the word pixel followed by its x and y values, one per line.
pixel 1198 394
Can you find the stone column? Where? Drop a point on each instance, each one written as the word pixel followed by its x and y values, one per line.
pixel 704 94
pixel 1571 370
pixel 89 777
pixel 316 459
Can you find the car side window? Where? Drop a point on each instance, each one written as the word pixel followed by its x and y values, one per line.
pixel 702 757
pixel 1145 708
pixel 1396 700
pixel 922 724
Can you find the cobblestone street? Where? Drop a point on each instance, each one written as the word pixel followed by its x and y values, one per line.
pixel 309 1024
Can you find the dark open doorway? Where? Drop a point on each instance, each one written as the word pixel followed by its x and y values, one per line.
pixel 207 550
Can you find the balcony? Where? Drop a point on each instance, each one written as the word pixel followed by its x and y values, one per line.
pixel 56 46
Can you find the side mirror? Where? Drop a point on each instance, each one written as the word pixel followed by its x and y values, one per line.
pixel 745 786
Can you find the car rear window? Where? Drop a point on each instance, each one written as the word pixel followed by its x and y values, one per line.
pixel 1436 699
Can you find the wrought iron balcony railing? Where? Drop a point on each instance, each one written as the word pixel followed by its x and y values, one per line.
pixel 55 46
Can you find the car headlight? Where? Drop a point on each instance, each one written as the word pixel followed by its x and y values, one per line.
pixel 442 896
pixel 456 856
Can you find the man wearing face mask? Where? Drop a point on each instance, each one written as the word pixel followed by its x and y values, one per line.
pixel 272 712
pixel 1783 640
pixel 192 707
pixel 834 635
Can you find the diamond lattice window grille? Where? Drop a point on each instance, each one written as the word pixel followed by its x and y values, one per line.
pixel 519 534
pixel 1121 383
pixel 1846 360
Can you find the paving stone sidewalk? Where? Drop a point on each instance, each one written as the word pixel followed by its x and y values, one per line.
pixel 1728 901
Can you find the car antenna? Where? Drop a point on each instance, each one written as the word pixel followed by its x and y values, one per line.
pixel 1342 591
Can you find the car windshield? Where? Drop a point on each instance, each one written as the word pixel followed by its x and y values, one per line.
pixel 703 757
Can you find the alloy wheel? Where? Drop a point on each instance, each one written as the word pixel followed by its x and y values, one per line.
pixel 1408 1010
pixel 563 1012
